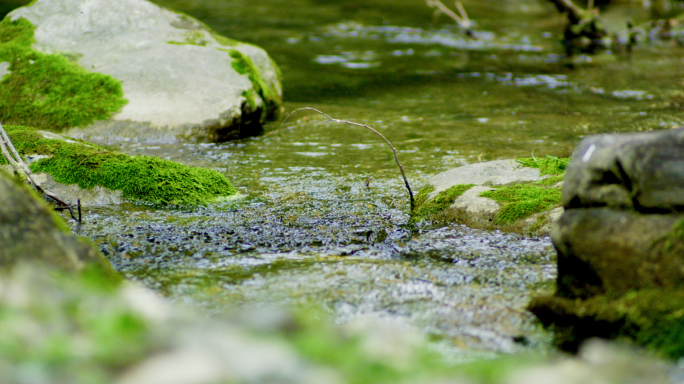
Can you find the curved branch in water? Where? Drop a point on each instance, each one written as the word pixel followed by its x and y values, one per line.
pixel 396 159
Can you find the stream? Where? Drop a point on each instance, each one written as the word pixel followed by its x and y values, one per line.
pixel 323 214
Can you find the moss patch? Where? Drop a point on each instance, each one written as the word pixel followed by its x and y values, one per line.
pixel 675 237
pixel 349 354
pixel 520 201
pixel 50 91
pixel 194 37
pixel 652 318
pixel 142 179
pixel 82 332
pixel 425 210
pixel 548 166
pixel 244 65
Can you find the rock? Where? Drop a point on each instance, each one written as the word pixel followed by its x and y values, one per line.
pixel 95 196
pixel 31 231
pixel 608 251
pixel 182 80
pixel 598 362
pixel 473 203
pixel 502 194
pixel 640 171
pixel 70 193
pixel 76 170
pixel 620 243
pixel 491 173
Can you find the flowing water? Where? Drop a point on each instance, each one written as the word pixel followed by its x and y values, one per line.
pixel 324 215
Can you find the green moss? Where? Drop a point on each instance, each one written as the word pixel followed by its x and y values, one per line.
pixel 250 95
pixel 223 40
pixel 194 37
pixel 244 65
pixel 676 236
pixel 142 179
pixel 320 341
pixel 520 201
pixel 653 318
pixel 549 166
pixel 427 209
pixel 50 91
pixel 81 331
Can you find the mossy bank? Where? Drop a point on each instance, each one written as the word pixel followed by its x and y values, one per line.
pixel 519 205
pixel 141 179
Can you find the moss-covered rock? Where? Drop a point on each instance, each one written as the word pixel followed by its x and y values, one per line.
pixel 620 244
pixel 527 202
pixel 50 91
pixel 181 80
pixel 430 209
pixel 141 179
pixel 653 318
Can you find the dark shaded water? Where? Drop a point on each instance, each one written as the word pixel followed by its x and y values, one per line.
pixel 309 231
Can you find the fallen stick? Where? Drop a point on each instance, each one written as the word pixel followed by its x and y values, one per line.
pixel 10 153
pixel 403 175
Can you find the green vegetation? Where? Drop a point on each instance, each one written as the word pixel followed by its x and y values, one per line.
pixel 193 37
pixel 50 91
pixel 517 201
pixel 83 328
pixel 428 209
pixel 549 166
pixel 80 331
pixel 224 40
pixel 142 179
pixel 676 236
pixel 653 318
pixel 244 65
pixel 520 201
pixel 348 352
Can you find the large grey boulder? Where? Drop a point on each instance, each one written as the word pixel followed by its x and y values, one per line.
pixel 609 251
pixel 624 205
pixel 182 80
pixel 620 243
pixel 640 171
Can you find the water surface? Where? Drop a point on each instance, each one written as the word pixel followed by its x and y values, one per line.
pixel 324 214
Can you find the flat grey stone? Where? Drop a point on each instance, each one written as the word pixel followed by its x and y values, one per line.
pixel 176 75
pixel 492 173
pixel 473 203
pixel 72 193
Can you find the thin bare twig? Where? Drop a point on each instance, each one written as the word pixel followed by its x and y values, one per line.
pixel 396 159
pixel 10 153
pixel 461 19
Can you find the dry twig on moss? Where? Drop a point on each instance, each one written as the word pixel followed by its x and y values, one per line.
pixel 396 159
pixel 10 153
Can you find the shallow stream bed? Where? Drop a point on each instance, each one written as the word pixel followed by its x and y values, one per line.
pixel 323 218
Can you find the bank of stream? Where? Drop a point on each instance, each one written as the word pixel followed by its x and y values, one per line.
pixel 323 217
